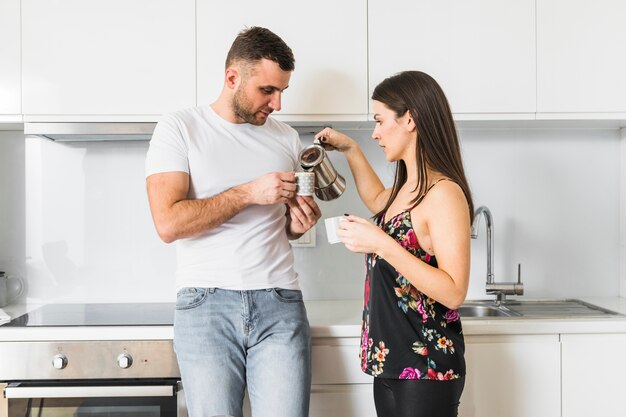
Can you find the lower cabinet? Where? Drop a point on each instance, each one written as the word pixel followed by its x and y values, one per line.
pixel 347 400
pixel 513 376
pixel 593 374
pixel 507 375
pixel 340 388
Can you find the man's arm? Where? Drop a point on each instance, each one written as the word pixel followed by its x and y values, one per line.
pixel 175 216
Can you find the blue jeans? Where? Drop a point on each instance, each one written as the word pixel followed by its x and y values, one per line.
pixel 226 340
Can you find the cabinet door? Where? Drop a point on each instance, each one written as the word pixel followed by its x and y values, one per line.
pixel 580 56
pixel 336 361
pixel 593 374
pixel 351 400
pixel 108 57
pixel 329 42
pixel 339 388
pixel 345 400
pixel 10 100
pixel 513 376
pixel 482 52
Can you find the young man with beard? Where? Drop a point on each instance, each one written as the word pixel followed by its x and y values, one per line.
pixel 221 184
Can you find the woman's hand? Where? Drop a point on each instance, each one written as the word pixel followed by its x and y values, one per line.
pixel 362 236
pixel 332 139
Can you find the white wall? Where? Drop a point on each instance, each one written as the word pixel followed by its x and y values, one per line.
pixel 12 201
pixel 554 195
pixel 555 202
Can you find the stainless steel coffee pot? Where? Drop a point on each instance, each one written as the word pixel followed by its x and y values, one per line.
pixel 329 184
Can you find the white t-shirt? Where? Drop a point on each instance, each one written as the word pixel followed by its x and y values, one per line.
pixel 250 251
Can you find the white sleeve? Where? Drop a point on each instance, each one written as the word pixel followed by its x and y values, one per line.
pixel 168 149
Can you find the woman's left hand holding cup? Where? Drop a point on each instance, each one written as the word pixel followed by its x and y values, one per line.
pixel 361 235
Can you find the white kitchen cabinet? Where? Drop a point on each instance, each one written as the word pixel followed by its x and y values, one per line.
pixel 336 361
pixel 593 374
pixel 513 376
pixel 580 57
pixel 10 78
pixel 482 52
pixel 349 400
pixel 107 58
pixel 340 388
pixel 329 42
pixel 341 400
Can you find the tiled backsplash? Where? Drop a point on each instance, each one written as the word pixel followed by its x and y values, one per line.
pixel 74 217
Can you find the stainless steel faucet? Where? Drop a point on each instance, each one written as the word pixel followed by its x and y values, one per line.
pixel 501 289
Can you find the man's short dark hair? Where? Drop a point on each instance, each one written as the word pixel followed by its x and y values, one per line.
pixel 256 43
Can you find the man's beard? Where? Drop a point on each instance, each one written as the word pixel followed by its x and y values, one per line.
pixel 241 108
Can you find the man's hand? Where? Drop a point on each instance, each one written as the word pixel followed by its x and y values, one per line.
pixel 303 214
pixel 272 188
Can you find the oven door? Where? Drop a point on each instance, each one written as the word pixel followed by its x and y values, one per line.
pixel 116 398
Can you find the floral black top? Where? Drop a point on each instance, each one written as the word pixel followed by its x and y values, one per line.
pixel 404 333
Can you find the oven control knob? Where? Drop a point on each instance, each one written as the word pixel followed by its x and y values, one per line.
pixel 124 360
pixel 59 361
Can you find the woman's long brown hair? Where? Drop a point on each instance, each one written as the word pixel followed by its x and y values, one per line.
pixel 437 142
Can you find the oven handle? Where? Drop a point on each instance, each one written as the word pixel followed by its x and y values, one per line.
pixel 14 391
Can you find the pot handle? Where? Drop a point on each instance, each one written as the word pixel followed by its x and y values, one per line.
pixel 324 146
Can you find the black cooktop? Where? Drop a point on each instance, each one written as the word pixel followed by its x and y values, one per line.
pixel 110 314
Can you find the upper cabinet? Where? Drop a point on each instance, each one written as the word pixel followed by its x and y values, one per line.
pixel 110 58
pixel 116 60
pixel 482 52
pixel 328 39
pixel 581 64
pixel 10 84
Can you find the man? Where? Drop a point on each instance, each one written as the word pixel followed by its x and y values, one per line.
pixel 221 183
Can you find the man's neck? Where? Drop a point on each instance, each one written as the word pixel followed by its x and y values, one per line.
pixel 224 109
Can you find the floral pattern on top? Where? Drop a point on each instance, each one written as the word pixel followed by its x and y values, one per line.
pixel 419 338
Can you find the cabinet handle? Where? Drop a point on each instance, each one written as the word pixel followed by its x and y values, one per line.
pixel 15 391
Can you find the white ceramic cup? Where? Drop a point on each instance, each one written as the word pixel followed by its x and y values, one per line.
pixel 332 225
pixel 305 183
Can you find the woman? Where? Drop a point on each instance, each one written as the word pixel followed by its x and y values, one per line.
pixel 418 252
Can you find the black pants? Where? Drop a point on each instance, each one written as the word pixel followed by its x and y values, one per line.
pixel 417 397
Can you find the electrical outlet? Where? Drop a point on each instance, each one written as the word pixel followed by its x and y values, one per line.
pixel 307 240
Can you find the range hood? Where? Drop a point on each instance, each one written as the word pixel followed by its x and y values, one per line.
pixel 122 131
pixel 81 132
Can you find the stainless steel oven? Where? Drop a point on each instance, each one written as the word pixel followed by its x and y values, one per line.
pixel 103 378
pixel 91 399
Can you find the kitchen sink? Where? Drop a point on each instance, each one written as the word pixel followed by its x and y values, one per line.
pixel 558 308
pixel 565 308
pixel 479 309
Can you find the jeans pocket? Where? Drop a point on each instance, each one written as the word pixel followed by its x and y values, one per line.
pixel 287 296
pixel 190 297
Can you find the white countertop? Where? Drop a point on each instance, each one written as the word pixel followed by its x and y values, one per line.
pixel 336 318
pixel 343 319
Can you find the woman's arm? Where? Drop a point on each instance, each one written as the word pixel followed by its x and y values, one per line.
pixel 449 227
pixel 370 188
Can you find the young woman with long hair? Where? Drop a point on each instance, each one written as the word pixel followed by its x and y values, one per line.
pixel 417 250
